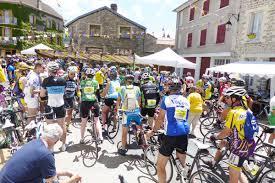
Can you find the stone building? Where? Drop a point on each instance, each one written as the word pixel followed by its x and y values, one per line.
pixel 256 31
pixel 105 30
pixel 17 15
pixel 205 32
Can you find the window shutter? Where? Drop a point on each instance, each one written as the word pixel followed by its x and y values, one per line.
pixel 224 3
pixel 203 37
pixel 192 14
pixel 221 33
pixel 189 40
pixel 205 7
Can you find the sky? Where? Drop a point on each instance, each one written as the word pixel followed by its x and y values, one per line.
pixel 153 14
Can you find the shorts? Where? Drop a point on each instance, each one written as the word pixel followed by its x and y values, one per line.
pixel 149 111
pixel 235 161
pixel 86 106
pixel 32 103
pixel 129 117
pixel 109 102
pixel 58 112
pixel 69 103
pixel 170 143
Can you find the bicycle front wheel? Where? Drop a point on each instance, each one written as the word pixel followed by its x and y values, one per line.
pixel 268 177
pixel 203 176
pixel 150 159
pixel 112 129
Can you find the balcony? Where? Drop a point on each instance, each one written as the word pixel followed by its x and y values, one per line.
pixel 8 20
pixel 8 42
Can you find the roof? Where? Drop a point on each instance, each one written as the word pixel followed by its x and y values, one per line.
pixel 185 5
pixel 33 4
pixel 108 9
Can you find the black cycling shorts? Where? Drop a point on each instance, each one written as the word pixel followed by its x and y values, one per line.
pixel 170 143
pixel 109 102
pixel 69 103
pixel 58 112
pixel 149 111
pixel 86 106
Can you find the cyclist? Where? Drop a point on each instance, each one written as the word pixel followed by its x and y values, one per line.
pixel 137 75
pixel 99 77
pixel 240 148
pixel 189 80
pixel 122 74
pixel 70 92
pixel 174 110
pixel 54 87
pixel 89 86
pixel 110 94
pixel 150 98
pixel 271 119
pixel 130 98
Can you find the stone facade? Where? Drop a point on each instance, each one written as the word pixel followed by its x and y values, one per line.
pixel 263 46
pixel 211 53
pixel 109 39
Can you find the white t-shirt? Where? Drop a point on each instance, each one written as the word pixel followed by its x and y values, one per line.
pixel 272 103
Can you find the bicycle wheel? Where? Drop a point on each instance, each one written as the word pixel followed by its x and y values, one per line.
pixel 150 159
pixel 204 176
pixel 90 151
pixel 268 177
pixel 206 125
pixel 112 127
pixel 262 150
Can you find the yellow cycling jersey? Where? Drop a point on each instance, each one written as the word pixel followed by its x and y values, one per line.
pixel 196 102
pixel 99 77
pixel 236 117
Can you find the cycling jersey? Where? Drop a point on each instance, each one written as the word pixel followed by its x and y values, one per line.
pixel 150 95
pixel 207 89
pixel 177 109
pixel 137 77
pixel 125 92
pixel 70 88
pixel 189 81
pixel 99 77
pixel 55 87
pixel 199 84
pixel 88 90
pixel 113 89
pixel 271 118
pixel 122 80
pixel 196 102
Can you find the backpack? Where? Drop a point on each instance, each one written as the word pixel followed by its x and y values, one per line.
pixel 251 127
pixel 130 99
pixel 17 91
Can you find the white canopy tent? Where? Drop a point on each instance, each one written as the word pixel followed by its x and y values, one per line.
pixel 166 57
pixel 260 69
pixel 31 51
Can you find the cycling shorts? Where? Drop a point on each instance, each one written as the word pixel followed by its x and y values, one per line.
pixel 69 103
pixel 149 111
pixel 235 161
pixel 109 101
pixel 58 112
pixel 170 143
pixel 86 106
pixel 129 117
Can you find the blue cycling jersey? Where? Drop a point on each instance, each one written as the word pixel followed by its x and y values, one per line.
pixel 114 89
pixel 177 109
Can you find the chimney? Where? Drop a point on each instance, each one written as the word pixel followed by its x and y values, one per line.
pixel 38 5
pixel 114 7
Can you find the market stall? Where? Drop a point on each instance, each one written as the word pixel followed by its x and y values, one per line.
pixel 32 50
pixel 258 70
pixel 166 57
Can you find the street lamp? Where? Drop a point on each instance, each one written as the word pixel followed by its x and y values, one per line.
pixel 229 23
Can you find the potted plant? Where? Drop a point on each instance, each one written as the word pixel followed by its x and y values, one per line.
pixel 251 36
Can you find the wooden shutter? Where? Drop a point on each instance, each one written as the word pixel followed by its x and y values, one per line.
pixel 205 7
pixel 192 14
pixel 203 37
pixel 221 33
pixel 189 40
pixel 224 3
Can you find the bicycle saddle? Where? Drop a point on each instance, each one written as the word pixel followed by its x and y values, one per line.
pixel 200 145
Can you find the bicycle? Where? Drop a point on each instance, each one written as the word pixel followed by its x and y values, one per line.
pixel 112 123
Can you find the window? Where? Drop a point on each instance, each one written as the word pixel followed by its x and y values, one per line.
pixel 125 32
pixel 95 30
pixel 192 14
pixel 224 3
pixel 7 32
pixel 32 19
pixel 49 25
pixel 221 34
pixel 221 61
pixel 203 37
pixel 256 23
pixel 205 9
pixel 189 40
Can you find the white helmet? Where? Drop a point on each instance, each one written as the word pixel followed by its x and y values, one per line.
pixel 90 71
pixel 72 69
pixel 235 91
pixel 53 66
pixel 222 79
pixel 145 76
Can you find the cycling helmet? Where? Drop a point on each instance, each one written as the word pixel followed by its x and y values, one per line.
pixel 188 74
pixel 235 91
pixel 122 70
pixel 129 77
pixel 145 76
pixel 113 69
pixel 72 69
pixel 174 75
pixel 53 66
pixel 90 71
pixel 174 84
pixel 222 79
pixel 113 75
pixel 205 76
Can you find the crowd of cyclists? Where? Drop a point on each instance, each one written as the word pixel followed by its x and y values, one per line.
pixel 168 102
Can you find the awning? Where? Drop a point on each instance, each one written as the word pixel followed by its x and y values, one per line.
pixel 31 51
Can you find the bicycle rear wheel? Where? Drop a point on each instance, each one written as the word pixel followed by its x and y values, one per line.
pixel 150 159
pixel 90 151
pixel 112 127
pixel 206 125
pixel 203 176
pixel 268 177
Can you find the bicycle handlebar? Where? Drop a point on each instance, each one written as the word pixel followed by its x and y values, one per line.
pixel 40 115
